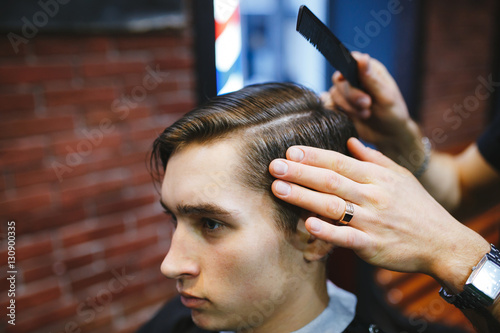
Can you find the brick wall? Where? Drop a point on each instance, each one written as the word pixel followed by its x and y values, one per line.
pixel 78 115
pixel 458 58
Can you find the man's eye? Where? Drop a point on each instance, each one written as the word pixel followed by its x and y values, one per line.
pixel 212 225
pixel 172 218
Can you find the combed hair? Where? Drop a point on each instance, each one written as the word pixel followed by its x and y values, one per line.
pixel 269 118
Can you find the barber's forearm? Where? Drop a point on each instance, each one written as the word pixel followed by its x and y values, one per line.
pixel 442 181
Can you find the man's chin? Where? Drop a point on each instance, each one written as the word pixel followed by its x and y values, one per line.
pixel 210 322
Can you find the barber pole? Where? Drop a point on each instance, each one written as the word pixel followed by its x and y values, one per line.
pixel 228 46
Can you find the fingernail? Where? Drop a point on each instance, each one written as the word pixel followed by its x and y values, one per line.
pixel 315 225
pixel 295 154
pixel 280 167
pixel 363 101
pixel 282 188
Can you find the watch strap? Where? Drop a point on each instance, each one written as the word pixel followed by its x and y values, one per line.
pixel 494 254
pixel 464 300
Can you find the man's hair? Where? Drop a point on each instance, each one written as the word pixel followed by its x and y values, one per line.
pixel 268 119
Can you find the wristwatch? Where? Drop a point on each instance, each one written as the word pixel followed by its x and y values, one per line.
pixel 483 285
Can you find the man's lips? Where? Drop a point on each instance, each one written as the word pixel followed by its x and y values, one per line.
pixel 191 301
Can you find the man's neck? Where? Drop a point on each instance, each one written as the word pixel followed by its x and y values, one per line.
pixel 300 307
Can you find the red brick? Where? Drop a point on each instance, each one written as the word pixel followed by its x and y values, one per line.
pixel 151 42
pixel 34 319
pixel 83 83
pixel 99 160
pixel 33 73
pixel 33 246
pixel 101 323
pixel 112 68
pixel 131 289
pixel 15 49
pixel 135 305
pixel 124 204
pixel 32 198
pixel 2 184
pixel 57 46
pixel 23 128
pixel 121 245
pixel 141 176
pixel 178 107
pixel 84 96
pixel 122 113
pixel 119 161
pixel 37 269
pixel 153 219
pixel 66 168
pixel 98 44
pixel 138 85
pixel 136 287
pixel 16 155
pixel 77 259
pixel 153 260
pixel 70 45
pixel 33 177
pixel 175 63
pixel 47 218
pixel 84 278
pixel 149 133
pixel 77 234
pixel 37 293
pixel 97 140
pixel 14 115
pixel 81 188
pixel 15 102
pixel 166 86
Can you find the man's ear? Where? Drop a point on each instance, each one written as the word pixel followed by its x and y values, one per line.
pixel 313 249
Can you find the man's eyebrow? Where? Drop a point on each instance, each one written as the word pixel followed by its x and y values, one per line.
pixel 203 209
pixel 200 209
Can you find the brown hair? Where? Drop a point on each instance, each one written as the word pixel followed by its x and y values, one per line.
pixel 269 118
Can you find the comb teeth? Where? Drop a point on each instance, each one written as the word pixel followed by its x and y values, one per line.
pixel 318 34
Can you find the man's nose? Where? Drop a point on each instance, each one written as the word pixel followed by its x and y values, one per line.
pixel 180 260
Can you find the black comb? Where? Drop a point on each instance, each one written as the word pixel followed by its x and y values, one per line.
pixel 309 26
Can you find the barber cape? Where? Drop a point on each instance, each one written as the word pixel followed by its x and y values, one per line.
pixel 338 317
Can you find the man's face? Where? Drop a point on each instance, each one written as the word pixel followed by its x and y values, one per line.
pixel 233 266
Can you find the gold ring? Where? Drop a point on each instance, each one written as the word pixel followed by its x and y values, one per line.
pixel 348 213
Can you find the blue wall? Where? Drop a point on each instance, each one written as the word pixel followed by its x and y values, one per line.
pixel 388 30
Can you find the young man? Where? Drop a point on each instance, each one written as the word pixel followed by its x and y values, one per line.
pixel 242 259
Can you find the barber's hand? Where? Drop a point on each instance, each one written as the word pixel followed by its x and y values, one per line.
pixel 396 224
pixel 379 112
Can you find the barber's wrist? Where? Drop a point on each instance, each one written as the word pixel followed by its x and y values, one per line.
pixel 406 147
pixel 455 266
